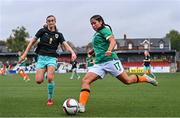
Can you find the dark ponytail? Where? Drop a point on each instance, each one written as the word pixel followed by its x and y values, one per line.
pixel 108 26
pixel 51 16
pixel 100 19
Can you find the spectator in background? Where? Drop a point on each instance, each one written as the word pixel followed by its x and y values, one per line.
pixel 74 70
pixel 147 64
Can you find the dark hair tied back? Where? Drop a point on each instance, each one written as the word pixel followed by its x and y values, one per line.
pixel 45 26
pixel 100 19
pixel 51 16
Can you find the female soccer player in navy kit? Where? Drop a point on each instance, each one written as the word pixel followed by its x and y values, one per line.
pixel 50 39
pixel 147 65
pixel 106 61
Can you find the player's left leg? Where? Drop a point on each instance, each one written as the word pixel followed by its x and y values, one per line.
pixel 40 75
pixel 73 73
pixel 77 74
pixel 85 89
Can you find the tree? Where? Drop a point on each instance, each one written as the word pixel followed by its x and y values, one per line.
pixel 17 41
pixel 174 37
pixel 2 42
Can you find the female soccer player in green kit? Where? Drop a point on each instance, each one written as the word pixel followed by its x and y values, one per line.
pixel 106 60
pixel 50 39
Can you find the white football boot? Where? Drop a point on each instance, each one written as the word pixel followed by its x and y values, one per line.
pixel 81 108
pixel 151 80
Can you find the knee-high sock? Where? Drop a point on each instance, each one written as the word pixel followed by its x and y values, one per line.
pixel 84 96
pixel 141 78
pixel 51 87
pixel 154 76
pixel 151 75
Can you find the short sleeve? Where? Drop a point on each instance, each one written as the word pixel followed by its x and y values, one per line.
pixel 39 33
pixel 106 32
pixel 61 38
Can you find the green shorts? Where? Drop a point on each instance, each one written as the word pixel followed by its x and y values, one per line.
pixel 44 61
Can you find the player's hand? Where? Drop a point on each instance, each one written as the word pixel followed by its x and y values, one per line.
pixel 108 53
pixel 73 56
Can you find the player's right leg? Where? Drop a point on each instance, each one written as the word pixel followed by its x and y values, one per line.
pixel 77 75
pixel 40 75
pixel 115 68
pixel 136 79
pixel 41 67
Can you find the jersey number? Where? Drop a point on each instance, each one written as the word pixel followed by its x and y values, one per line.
pixel 117 65
pixel 50 41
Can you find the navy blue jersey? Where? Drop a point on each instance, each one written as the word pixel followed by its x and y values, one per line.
pixel 49 42
pixel 74 64
pixel 147 61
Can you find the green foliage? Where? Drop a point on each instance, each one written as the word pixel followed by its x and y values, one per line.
pixel 174 37
pixel 2 42
pixel 17 41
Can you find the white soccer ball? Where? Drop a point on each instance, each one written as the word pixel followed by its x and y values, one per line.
pixel 70 106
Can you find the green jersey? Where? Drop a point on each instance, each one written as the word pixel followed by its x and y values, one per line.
pixel 101 44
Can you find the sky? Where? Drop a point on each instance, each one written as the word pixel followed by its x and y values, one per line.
pixel 135 18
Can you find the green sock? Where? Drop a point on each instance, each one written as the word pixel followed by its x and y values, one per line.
pixel 51 87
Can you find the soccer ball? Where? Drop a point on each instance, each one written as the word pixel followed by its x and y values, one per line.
pixel 70 106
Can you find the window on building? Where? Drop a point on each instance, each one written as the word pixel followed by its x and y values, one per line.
pixel 161 45
pixel 146 46
pixel 130 46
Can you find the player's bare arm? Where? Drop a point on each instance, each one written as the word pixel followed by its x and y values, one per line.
pixel 31 43
pixel 73 55
pixel 111 45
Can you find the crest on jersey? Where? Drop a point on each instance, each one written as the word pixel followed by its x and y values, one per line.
pixel 56 36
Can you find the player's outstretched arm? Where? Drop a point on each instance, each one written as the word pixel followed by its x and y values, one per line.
pixel 73 55
pixel 31 43
pixel 111 45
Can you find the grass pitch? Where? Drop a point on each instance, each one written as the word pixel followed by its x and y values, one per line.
pixel 109 97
